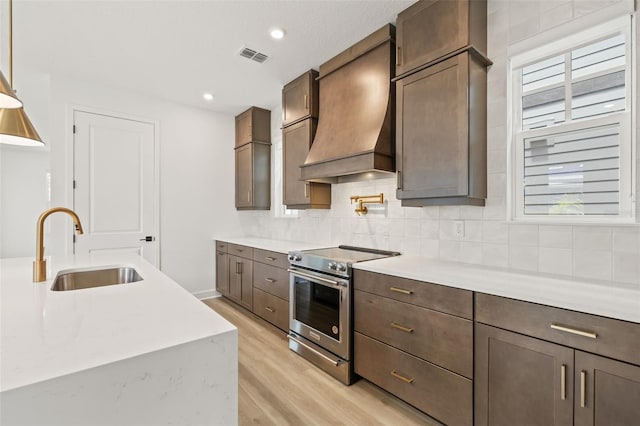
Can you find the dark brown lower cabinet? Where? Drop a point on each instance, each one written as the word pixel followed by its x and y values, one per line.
pixel 271 287
pixel 222 273
pixel 271 308
pixel 607 392
pixel 521 380
pixel 241 281
pixel 438 392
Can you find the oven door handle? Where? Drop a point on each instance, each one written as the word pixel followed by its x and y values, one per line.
pixel 320 354
pixel 315 278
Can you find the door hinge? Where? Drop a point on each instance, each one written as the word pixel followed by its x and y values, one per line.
pixel 74 129
pixel 74 238
pixel 74 184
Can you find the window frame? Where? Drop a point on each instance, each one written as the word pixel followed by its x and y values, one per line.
pixel 626 119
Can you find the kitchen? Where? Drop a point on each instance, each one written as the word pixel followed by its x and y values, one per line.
pixel 203 140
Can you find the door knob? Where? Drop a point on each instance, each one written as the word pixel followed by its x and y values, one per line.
pixel 148 238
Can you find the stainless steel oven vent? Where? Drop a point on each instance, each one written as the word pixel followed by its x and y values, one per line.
pixel 253 55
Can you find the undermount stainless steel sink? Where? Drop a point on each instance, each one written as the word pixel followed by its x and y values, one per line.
pixel 75 280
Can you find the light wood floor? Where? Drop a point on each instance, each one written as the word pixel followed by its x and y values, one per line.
pixel 278 387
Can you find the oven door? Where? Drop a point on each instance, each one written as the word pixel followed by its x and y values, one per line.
pixel 320 310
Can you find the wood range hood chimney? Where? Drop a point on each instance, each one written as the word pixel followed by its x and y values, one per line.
pixel 356 122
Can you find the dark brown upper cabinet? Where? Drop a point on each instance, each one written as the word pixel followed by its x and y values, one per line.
pixel 441 134
pixel 253 177
pixel 253 159
pixel 299 114
pixel 300 98
pixel 253 125
pixel 431 29
pixel 298 194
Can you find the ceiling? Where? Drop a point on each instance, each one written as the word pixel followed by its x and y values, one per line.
pixel 177 50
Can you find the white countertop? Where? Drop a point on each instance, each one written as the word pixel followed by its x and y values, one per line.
pixel 48 334
pixel 279 246
pixel 606 299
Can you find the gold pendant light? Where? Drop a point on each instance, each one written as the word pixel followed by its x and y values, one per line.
pixel 8 98
pixel 15 126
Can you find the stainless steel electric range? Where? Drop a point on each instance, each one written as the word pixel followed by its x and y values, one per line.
pixel 321 313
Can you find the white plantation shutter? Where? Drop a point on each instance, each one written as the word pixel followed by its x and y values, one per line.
pixel 572 131
pixel 573 173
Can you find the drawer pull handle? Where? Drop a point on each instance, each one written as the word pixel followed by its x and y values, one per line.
pixel 270 280
pixel 583 388
pixel 563 382
pixel 401 290
pixel 270 309
pixel 401 377
pixel 401 327
pixel 589 334
pixel 270 258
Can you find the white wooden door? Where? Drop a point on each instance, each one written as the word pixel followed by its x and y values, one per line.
pixel 114 175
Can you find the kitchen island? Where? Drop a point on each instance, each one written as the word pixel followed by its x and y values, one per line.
pixel 146 352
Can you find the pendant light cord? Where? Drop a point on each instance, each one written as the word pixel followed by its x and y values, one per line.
pixel 11 43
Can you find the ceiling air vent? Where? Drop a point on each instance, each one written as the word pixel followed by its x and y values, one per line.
pixel 253 55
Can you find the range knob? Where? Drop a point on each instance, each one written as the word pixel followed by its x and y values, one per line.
pixel 342 267
pixel 333 265
pixel 290 257
pixel 295 258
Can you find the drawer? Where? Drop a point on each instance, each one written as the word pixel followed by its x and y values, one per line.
pixel 221 246
pixel 271 308
pixel 442 339
pixel 271 258
pixel 442 394
pixel 242 251
pixel 433 296
pixel 271 279
pixel 605 336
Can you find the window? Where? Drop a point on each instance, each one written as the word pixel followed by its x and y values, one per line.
pixel 572 128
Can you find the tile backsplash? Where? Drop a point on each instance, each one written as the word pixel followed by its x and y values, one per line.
pixel 591 252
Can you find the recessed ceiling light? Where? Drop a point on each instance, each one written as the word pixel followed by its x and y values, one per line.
pixel 208 96
pixel 277 33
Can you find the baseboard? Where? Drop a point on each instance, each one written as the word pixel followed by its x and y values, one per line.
pixel 206 294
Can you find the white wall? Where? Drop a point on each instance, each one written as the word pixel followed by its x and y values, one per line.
pixel 24 173
pixel 591 252
pixel 196 177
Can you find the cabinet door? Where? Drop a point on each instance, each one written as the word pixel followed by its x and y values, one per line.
pixel 520 380
pixel 222 273
pixel 244 176
pixel 607 391
pixel 300 98
pixel 432 131
pixel 253 125
pixel 431 29
pixel 235 278
pixel 246 273
pixel 243 128
pixel 296 141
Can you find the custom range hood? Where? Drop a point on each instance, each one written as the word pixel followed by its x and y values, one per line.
pixel 356 122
